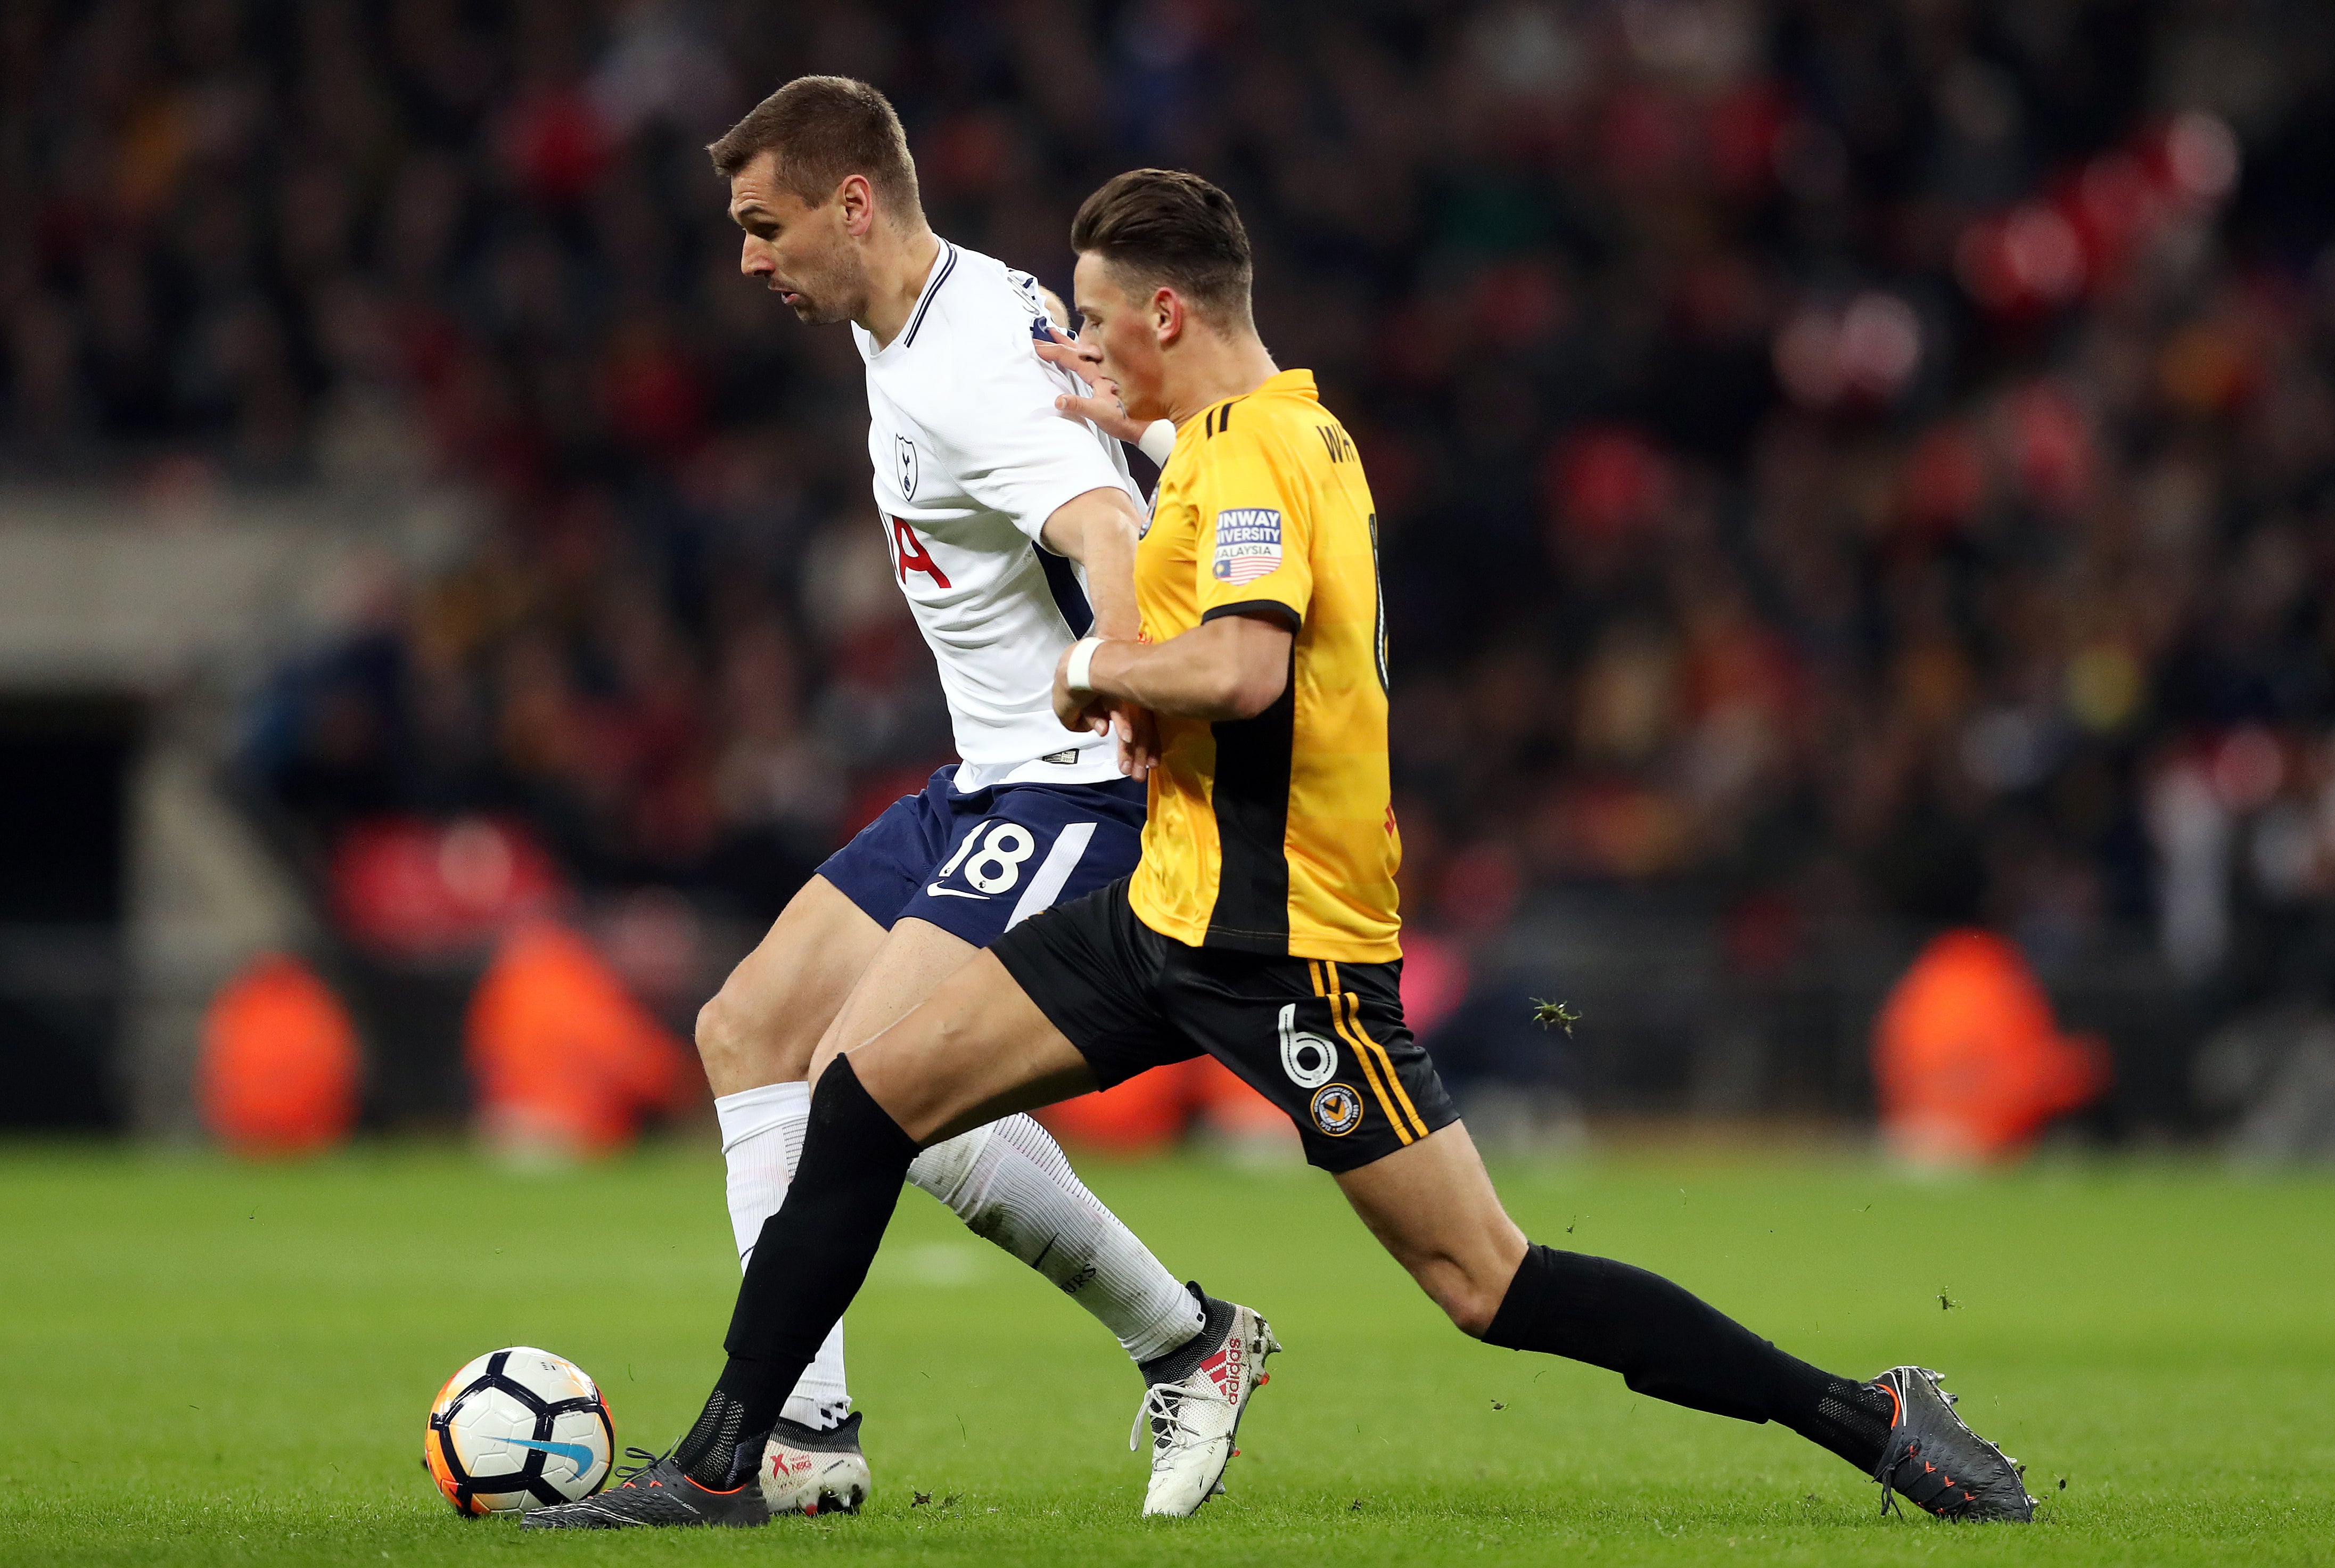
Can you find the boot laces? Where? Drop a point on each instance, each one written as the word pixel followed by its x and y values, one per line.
pixel 1885 1471
pixel 1165 1407
pixel 645 1461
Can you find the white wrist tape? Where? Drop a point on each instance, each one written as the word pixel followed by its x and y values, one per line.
pixel 1080 675
pixel 1159 440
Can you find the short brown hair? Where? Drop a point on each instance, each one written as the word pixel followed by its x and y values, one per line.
pixel 1164 226
pixel 824 129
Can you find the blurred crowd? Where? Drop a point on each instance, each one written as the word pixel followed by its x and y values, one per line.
pixel 1851 459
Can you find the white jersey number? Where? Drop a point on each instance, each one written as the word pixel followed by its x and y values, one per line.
pixel 997 865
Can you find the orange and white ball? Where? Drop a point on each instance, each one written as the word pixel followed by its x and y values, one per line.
pixel 519 1429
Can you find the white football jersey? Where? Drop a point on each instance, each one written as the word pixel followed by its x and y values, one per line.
pixel 970 459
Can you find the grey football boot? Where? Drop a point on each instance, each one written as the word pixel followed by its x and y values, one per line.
pixel 1935 1462
pixel 654 1493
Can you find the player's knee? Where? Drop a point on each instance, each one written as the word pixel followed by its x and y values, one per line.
pixel 717 1031
pixel 1472 1311
pixel 740 1047
pixel 1471 1304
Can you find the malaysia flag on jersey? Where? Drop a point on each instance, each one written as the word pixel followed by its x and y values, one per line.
pixel 1248 544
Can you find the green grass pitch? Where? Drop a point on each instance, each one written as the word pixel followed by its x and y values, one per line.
pixel 205 1362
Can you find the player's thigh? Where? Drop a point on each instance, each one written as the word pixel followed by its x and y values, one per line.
pixel 768 1017
pixel 975 1050
pixel 1432 1205
pixel 908 966
pixel 1017 851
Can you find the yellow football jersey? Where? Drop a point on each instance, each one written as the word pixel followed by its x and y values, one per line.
pixel 1274 834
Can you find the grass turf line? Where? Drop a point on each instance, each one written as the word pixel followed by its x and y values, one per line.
pixel 205 1362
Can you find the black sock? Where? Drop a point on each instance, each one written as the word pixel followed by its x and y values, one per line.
pixel 1173 1366
pixel 810 1260
pixel 1668 1343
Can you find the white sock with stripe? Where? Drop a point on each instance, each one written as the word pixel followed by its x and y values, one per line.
pixel 1011 1182
pixel 762 1141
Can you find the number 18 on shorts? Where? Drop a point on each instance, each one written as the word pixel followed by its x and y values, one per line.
pixel 977 862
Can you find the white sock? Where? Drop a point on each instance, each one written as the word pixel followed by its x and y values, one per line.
pixel 762 1138
pixel 1010 1182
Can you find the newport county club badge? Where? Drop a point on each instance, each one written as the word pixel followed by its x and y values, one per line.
pixel 904 451
pixel 1248 544
pixel 1337 1109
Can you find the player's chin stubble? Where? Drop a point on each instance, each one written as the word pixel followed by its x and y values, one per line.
pixel 810 309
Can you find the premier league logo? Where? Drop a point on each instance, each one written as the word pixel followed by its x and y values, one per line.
pixel 903 452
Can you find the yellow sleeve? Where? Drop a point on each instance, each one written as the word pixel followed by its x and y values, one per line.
pixel 1256 528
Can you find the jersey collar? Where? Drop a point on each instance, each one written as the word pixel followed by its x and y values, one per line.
pixel 944 263
pixel 1296 383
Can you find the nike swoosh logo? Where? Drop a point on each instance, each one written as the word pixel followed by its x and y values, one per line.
pixel 951 893
pixel 576 1454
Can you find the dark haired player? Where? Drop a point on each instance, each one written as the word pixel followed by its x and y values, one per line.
pixel 1260 927
pixel 1003 521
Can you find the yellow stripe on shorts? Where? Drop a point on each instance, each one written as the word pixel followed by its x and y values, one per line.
pixel 1370 1071
pixel 1349 1024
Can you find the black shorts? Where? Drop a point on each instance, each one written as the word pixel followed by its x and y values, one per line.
pixel 1324 1041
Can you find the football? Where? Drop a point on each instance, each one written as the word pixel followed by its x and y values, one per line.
pixel 516 1429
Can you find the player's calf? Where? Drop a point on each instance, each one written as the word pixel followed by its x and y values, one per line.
pixel 1011 1183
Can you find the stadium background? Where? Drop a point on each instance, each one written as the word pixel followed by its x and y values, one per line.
pixel 1847 471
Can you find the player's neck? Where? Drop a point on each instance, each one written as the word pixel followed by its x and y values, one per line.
pixel 898 263
pixel 1208 367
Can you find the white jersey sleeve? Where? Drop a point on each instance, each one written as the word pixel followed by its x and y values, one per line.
pixel 970 459
pixel 998 433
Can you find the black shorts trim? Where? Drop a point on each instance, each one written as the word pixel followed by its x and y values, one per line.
pixel 1325 1041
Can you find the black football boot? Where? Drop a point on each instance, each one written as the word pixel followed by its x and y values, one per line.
pixel 1934 1461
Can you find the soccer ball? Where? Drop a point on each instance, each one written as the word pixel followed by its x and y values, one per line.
pixel 518 1430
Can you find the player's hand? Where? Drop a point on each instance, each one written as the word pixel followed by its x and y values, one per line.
pixel 1083 359
pixel 1086 712
pixel 1101 407
pixel 1138 733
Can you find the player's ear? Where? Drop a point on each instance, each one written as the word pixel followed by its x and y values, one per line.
pixel 1168 315
pixel 856 200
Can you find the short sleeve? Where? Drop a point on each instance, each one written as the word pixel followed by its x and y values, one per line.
pixel 1255 528
pixel 1009 448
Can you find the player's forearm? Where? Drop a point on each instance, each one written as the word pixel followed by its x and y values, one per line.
pixel 1109 561
pixel 1099 531
pixel 1231 668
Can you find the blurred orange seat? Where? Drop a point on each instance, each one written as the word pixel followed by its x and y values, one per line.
pixel 1968 1059
pixel 565 1061
pixel 279 1065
